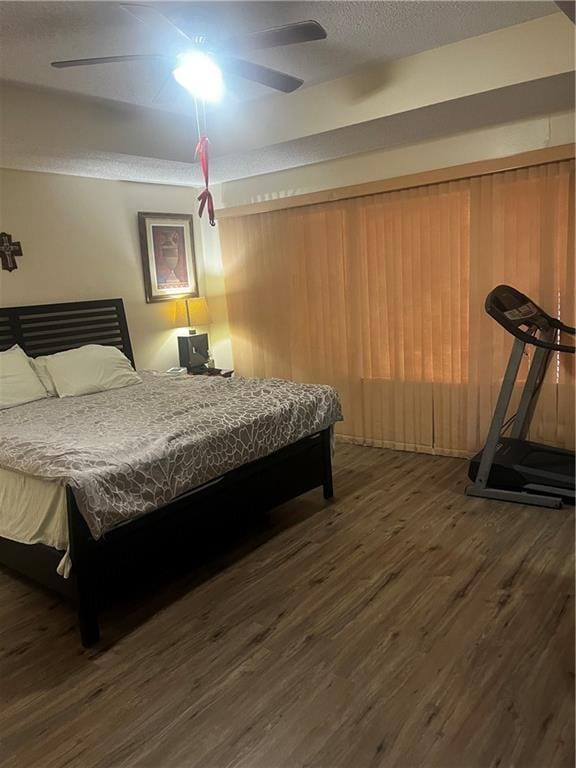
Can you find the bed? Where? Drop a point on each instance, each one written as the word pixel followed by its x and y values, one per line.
pixel 65 517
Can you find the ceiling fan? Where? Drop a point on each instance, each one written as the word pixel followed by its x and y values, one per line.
pixel 201 64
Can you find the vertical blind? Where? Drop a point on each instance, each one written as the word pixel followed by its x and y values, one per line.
pixel 383 297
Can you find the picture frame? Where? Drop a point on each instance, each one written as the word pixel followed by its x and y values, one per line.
pixel 168 257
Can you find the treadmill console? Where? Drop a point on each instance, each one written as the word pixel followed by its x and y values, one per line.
pixel 505 302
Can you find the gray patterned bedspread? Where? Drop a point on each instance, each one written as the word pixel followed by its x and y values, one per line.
pixel 128 451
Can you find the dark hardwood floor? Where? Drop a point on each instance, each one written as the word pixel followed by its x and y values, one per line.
pixel 401 625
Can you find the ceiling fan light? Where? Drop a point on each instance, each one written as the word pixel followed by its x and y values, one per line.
pixel 199 75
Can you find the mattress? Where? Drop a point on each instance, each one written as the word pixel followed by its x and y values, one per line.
pixel 129 451
pixel 33 511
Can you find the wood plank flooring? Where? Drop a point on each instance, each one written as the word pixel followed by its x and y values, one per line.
pixel 401 625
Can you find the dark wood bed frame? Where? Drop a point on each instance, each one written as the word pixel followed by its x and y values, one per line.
pixel 259 486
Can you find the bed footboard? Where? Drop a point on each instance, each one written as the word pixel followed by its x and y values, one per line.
pixel 255 487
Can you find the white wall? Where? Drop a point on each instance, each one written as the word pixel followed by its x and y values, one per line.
pixel 80 241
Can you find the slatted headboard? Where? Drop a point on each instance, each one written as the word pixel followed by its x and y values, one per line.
pixel 44 329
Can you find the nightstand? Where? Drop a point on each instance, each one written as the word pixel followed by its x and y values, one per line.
pixel 222 372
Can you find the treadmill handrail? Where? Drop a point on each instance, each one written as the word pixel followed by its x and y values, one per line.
pixel 565 328
pixel 556 323
pixel 546 344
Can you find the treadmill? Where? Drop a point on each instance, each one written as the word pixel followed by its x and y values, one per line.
pixel 513 468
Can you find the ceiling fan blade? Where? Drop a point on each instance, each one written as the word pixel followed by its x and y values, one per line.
pixel 155 19
pixel 107 60
pixel 280 81
pixel 288 34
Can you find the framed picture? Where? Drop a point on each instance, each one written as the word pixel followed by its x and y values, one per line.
pixel 168 260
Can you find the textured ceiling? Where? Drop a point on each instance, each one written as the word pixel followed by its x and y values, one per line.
pixel 34 33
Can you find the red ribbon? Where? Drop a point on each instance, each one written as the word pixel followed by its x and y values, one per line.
pixel 205 197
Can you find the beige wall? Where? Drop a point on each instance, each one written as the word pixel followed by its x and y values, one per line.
pixel 540 48
pixel 498 141
pixel 80 235
pixel 80 241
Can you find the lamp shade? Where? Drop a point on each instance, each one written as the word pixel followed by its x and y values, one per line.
pixel 197 310
pixel 180 318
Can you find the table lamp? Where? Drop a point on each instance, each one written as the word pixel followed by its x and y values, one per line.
pixel 193 349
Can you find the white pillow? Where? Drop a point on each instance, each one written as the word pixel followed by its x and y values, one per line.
pixel 18 382
pixel 40 367
pixel 89 369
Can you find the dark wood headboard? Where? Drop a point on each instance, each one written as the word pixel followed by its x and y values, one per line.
pixel 44 329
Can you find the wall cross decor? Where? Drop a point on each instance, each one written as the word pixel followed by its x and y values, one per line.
pixel 8 251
